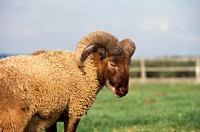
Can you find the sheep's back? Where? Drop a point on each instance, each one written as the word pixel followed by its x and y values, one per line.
pixel 38 81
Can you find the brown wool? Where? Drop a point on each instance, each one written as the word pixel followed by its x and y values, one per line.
pixel 44 85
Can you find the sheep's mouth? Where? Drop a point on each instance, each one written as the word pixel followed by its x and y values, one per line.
pixel 117 93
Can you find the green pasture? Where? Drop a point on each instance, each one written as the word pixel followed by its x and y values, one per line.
pixel 146 108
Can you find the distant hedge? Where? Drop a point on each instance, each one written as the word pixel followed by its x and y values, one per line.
pixel 3 56
pixel 6 55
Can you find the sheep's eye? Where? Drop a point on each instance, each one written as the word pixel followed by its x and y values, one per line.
pixel 112 64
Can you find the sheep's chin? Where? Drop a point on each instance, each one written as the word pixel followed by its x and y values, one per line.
pixel 111 88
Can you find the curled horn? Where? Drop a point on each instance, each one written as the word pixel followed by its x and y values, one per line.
pixel 105 40
pixel 128 45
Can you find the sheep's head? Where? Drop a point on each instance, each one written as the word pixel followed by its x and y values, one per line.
pixel 112 59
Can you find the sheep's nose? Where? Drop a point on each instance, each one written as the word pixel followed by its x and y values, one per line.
pixel 124 91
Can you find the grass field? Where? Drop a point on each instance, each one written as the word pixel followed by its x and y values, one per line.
pixel 146 108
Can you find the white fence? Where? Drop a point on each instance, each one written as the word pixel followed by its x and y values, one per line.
pixel 143 70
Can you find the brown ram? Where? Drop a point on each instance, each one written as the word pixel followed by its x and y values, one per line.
pixel 37 89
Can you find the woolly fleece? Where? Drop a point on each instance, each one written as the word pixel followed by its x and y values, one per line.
pixel 41 87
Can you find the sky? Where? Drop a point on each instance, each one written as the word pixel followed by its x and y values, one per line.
pixel 159 28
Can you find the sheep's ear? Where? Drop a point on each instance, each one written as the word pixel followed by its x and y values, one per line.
pixel 102 53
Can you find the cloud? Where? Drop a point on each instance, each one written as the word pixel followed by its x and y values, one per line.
pixel 154 25
pixel 189 37
pixel 181 26
pixel 186 31
pixel 14 26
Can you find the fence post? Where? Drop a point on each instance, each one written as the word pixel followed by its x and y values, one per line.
pixel 197 70
pixel 142 69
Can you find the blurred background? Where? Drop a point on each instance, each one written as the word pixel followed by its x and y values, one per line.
pixel 165 71
pixel 160 28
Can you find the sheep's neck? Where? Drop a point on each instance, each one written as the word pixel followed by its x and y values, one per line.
pixel 100 71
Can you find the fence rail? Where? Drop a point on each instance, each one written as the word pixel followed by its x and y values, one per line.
pixel 143 69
